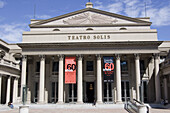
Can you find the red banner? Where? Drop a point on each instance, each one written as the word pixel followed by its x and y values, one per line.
pixel 70 70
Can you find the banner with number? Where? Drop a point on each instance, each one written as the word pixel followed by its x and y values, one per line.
pixel 108 69
pixel 70 70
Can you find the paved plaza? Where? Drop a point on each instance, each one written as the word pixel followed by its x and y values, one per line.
pixel 54 108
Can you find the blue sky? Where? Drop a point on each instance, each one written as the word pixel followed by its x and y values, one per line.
pixel 15 15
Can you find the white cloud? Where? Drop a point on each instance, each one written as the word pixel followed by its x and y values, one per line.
pixel 116 7
pixel 12 33
pixel 39 16
pixel 43 16
pixel 2 4
pixel 158 11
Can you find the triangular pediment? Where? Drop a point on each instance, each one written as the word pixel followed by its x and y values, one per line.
pixel 90 16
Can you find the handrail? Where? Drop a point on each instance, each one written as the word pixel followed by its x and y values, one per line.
pixel 132 106
pixel 142 104
pixel 138 101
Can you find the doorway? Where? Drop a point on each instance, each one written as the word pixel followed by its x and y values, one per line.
pixel 90 92
pixel 125 90
pixel 54 93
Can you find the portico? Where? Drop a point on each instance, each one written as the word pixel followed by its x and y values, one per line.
pixel 90 35
pixel 91 78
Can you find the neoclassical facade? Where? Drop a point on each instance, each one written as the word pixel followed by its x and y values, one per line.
pixel 90 35
pixel 165 78
pixel 9 72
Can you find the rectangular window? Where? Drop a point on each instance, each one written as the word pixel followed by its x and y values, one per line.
pixel 55 67
pixel 142 65
pixel 89 66
pixel 124 66
pixel 37 66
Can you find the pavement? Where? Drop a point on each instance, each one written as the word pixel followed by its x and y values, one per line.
pixel 79 108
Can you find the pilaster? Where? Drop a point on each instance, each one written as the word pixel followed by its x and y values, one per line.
pixel 80 80
pixel 8 89
pixel 138 78
pixel 118 79
pixel 99 80
pixel 60 82
pixel 42 79
pixel 157 79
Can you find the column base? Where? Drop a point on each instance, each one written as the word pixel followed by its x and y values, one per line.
pixel 23 109
pixel 40 102
pixel 80 102
pixel 99 102
pixel 119 102
pixel 60 102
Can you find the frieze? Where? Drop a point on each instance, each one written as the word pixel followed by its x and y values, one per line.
pixel 88 37
pixel 90 18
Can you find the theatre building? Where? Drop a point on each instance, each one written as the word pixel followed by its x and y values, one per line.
pixel 91 55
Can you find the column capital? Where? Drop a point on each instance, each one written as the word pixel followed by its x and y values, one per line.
pixel 8 76
pixel 137 56
pixel 80 57
pixel 61 56
pixel 156 55
pixel 24 57
pixel 42 57
pixel 16 78
pixel 98 57
pixel 117 56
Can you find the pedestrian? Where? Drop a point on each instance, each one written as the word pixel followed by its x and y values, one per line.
pixel 166 102
pixel 10 105
pixel 162 102
pixel 94 103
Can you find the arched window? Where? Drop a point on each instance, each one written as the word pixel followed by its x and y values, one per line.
pixel 56 30
pixel 122 28
pixel 89 29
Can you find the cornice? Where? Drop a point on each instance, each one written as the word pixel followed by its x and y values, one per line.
pixel 92 44
pixel 90 32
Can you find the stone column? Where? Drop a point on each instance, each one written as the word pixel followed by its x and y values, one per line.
pixel 23 74
pixel 42 80
pixel 118 79
pixel 60 82
pixel 8 90
pixel 15 90
pixel 80 80
pixel 138 78
pixel 165 88
pixel 0 87
pixel 157 79
pixel 99 80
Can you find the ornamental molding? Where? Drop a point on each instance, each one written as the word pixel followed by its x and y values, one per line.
pixel 90 18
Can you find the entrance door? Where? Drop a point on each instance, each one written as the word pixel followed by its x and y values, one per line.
pixel 90 92
pixel 125 90
pixel 36 92
pixel 72 93
pixel 107 92
pixel 54 96
pixel 144 91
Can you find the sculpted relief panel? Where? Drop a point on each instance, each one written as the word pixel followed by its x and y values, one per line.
pixel 90 18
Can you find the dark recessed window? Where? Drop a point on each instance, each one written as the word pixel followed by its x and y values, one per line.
pixel 142 65
pixel 55 67
pixel 37 66
pixel 89 66
pixel 124 66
